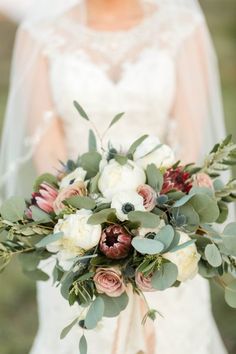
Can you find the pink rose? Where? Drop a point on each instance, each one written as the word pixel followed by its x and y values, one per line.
pixel 144 283
pixel 201 179
pixel 76 189
pixel 115 242
pixel 109 281
pixel 45 197
pixel 149 196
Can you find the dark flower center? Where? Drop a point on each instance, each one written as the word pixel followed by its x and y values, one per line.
pixel 127 208
pixel 72 181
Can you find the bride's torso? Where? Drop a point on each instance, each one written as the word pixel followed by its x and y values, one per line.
pixel 131 71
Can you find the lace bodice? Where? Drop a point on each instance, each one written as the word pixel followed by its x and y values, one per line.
pixel 132 71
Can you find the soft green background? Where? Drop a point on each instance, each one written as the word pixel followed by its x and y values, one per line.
pixel 18 316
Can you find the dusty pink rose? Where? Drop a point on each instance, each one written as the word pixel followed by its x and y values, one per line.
pixel 201 179
pixel 144 283
pixel 109 281
pixel 45 197
pixel 76 189
pixel 115 242
pixel 149 196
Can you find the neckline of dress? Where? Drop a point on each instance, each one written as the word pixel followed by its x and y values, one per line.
pixel 81 27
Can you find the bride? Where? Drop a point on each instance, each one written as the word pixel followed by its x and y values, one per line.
pixel 153 60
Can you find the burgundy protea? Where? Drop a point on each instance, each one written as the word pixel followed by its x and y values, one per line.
pixel 115 242
pixel 45 197
pixel 176 179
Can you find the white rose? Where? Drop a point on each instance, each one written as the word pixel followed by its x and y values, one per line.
pixel 186 259
pixel 143 231
pixel 79 236
pixel 126 201
pixel 117 178
pixel 152 151
pixel 77 175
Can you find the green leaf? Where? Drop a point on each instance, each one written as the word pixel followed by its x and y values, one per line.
pixel 93 185
pixel 154 177
pixel 229 238
pixel 147 246
pixel 116 119
pixel 122 160
pixel 182 201
pixel 114 305
pixel 136 143
pixel 95 313
pixel 36 275
pixel 101 217
pixel 92 141
pixel 68 328
pixel 81 110
pixel 166 236
pixel 144 218
pixel 49 239
pixel 213 255
pixel 224 212
pixel 230 294
pixel 191 216
pixel 206 208
pixel 83 346
pixel 79 202
pixel 90 162
pixel 182 245
pixel 39 215
pixel 165 277
pixel 45 178
pixel 13 209
pixel 29 261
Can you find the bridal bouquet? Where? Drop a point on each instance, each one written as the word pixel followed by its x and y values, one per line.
pixel 116 222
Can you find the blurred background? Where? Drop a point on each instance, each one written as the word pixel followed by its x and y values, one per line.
pixel 18 311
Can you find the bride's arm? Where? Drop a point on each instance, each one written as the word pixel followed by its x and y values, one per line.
pixel 50 147
pixel 197 110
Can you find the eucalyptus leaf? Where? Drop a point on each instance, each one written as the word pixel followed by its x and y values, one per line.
pixel 183 245
pixel 154 177
pixel 45 178
pixel 29 261
pixel 206 207
pixel 68 328
pixel 166 236
pixel 36 275
pixel 13 209
pixel 83 346
pixel 147 246
pixel 101 217
pixel 165 277
pixel 95 313
pixel 49 239
pixel 122 160
pixel 39 215
pixel 229 238
pixel 81 110
pixel 144 218
pixel 90 162
pixel 213 255
pixel 116 119
pixel 135 144
pixel 114 305
pixel 80 202
pixel 92 141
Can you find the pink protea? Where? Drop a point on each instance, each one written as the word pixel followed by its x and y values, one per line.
pixel 149 196
pixel 45 197
pixel 176 179
pixel 115 242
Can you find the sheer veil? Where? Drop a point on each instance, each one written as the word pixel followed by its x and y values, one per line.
pixel 18 141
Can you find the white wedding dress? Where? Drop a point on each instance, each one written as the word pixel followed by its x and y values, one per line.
pixel 155 72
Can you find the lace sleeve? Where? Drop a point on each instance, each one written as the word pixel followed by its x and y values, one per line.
pixel 197 111
pixel 33 135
